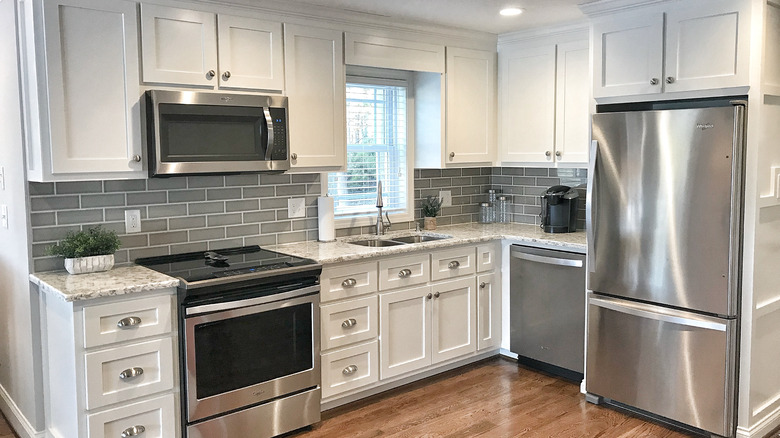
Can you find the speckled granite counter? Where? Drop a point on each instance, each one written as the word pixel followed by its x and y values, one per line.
pixel 341 250
pixel 118 281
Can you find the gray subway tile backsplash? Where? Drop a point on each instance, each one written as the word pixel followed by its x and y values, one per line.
pixel 197 213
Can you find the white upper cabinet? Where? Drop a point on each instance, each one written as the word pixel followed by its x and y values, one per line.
pixel 180 47
pixel 88 122
pixel 316 90
pixel 700 45
pixel 471 106
pixel 628 55
pixel 545 101
pixel 374 51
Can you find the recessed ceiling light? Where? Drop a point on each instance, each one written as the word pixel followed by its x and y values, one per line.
pixel 509 12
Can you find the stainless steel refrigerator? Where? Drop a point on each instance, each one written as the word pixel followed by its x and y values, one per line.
pixel 664 224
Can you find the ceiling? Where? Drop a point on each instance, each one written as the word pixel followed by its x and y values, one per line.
pixel 481 15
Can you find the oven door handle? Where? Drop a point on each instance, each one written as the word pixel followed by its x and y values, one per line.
pixel 230 305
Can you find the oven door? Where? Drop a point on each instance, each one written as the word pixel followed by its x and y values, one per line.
pixel 246 352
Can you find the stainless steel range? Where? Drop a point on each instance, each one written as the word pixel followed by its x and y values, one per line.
pixel 248 324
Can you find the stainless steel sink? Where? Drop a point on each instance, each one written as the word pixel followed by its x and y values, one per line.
pixel 419 238
pixel 376 243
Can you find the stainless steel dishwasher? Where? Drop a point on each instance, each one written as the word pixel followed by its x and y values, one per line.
pixel 547 310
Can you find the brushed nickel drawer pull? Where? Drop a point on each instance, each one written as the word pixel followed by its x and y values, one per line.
pixel 404 273
pixel 133 431
pixel 349 282
pixel 454 264
pixel 350 370
pixel 128 322
pixel 131 372
pixel 349 323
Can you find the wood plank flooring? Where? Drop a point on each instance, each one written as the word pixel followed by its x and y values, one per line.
pixel 493 398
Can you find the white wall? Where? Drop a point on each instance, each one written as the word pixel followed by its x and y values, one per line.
pixel 20 370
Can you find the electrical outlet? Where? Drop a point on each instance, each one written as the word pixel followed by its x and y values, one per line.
pixel 4 216
pixel 296 207
pixel 132 221
pixel 446 198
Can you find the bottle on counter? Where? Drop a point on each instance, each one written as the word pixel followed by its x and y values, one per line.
pixel 502 209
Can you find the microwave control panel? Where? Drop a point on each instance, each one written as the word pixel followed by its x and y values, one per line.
pixel 279 120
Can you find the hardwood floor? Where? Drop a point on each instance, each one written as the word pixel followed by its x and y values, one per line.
pixel 493 398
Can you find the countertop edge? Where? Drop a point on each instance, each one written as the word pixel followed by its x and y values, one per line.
pixel 161 281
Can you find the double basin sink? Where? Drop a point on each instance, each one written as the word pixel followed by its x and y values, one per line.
pixel 395 241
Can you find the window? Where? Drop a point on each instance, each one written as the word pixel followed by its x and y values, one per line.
pixel 376 151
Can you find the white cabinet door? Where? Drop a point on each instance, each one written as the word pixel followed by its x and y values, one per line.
pixel 527 104
pixel 179 46
pixel 404 331
pixel 93 89
pixel 454 319
pixel 707 47
pixel 250 53
pixel 471 106
pixel 316 90
pixel 628 55
pixel 572 108
pixel 488 312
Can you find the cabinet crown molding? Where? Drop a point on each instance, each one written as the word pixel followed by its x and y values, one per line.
pixel 576 29
pixel 603 7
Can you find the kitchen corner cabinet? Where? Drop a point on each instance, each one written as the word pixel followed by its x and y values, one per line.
pixel 316 90
pixel 702 45
pixel 471 106
pixel 202 49
pixel 83 118
pixel 110 365
pixel 545 103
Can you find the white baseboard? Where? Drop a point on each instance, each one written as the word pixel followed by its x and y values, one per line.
pixel 763 428
pixel 15 418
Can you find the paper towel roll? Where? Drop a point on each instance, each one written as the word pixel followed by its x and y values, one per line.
pixel 325 220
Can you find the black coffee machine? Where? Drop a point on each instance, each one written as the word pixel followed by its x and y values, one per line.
pixel 559 210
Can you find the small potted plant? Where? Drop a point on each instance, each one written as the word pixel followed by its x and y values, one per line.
pixel 87 251
pixel 431 207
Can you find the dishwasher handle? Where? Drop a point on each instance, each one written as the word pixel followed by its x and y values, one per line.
pixel 548 260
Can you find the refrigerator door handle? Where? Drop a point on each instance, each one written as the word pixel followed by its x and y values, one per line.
pixel 651 312
pixel 547 260
pixel 590 205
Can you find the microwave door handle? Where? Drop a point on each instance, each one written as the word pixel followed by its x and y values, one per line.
pixel 269 128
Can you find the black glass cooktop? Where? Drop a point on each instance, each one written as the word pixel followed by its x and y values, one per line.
pixel 223 263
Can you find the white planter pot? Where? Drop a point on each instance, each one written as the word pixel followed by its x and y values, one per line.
pixel 84 265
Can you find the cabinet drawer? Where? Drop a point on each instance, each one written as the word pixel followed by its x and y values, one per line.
pixel 349 368
pixel 349 322
pixel 486 257
pixel 345 281
pixel 404 271
pixel 452 263
pixel 109 373
pixel 158 418
pixel 127 320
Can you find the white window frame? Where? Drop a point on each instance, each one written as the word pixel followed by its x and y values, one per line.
pixel 379 76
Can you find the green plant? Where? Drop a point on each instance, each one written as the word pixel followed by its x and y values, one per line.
pixel 92 242
pixel 431 206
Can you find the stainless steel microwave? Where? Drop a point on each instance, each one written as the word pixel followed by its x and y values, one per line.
pixel 191 133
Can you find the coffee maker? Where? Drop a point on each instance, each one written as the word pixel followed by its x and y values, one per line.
pixel 559 209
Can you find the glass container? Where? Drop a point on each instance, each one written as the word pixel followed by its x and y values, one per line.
pixel 502 210
pixel 486 213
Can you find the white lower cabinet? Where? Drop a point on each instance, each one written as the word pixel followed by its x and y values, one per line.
pixel 110 366
pixel 392 319
pixel 405 326
pixel 155 418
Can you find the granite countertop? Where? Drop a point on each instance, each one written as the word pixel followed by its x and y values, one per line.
pixel 133 278
pixel 118 281
pixel 341 250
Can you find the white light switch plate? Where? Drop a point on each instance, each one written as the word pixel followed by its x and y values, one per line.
pixel 4 216
pixel 446 198
pixel 296 207
pixel 132 221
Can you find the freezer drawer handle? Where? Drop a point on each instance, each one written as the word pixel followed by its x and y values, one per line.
pixel 645 311
pixel 547 260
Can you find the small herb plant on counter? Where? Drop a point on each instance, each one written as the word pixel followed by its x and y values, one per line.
pixel 91 250
pixel 431 207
